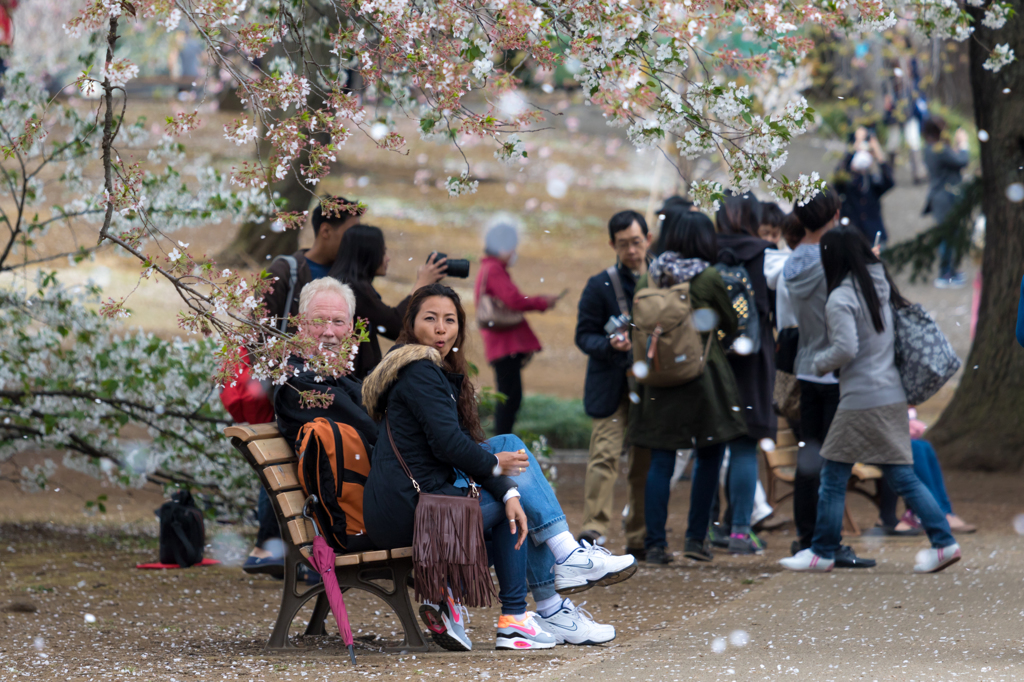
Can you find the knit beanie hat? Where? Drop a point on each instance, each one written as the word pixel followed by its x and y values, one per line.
pixel 501 238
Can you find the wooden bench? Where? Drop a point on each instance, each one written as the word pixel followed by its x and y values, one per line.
pixel 271 456
pixel 781 468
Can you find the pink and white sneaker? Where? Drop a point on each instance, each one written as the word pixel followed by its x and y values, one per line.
pixel 807 561
pixel 934 560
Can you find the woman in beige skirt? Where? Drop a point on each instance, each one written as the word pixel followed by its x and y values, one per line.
pixel 871 424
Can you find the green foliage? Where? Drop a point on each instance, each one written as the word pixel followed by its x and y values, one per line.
pixel 562 422
pixel 956 230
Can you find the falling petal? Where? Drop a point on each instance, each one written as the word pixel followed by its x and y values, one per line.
pixel 634 398
pixel 640 370
pixel 983 135
pixel 705 319
pixel 767 444
pixel 89 618
pixel 743 345
pixel 718 645
pixel 739 638
pixel 1015 192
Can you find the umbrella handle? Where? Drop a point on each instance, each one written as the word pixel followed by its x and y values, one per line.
pixel 305 512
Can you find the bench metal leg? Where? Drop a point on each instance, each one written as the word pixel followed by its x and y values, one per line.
pixel 292 602
pixel 397 598
pixel 318 622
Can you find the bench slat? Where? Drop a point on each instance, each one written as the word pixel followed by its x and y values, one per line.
pixel 291 502
pixel 866 472
pixel 401 553
pixel 781 457
pixel 271 451
pixel 787 474
pixel 282 476
pixel 377 555
pixel 340 560
pixel 784 439
pixel 250 432
pixel 301 531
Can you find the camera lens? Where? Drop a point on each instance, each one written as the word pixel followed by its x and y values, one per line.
pixel 457 267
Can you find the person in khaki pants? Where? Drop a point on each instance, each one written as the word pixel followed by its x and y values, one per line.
pixel 602 332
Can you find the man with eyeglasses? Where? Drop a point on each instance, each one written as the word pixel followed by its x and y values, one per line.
pixel 602 332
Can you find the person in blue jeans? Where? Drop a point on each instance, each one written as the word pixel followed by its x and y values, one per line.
pixel 704 413
pixel 871 424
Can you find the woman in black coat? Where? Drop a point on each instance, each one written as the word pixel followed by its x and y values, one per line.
pixel 739 218
pixel 363 256
pixel 420 389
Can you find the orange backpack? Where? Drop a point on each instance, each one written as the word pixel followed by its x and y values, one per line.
pixel 334 463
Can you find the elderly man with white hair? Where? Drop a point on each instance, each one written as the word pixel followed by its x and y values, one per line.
pixel 326 307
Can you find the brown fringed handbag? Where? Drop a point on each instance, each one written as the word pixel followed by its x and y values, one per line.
pixel 448 547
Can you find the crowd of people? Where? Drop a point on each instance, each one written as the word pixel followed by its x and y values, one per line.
pixel 764 294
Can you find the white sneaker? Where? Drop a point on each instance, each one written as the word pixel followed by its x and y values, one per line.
pixel 807 561
pixel 571 624
pixel 588 565
pixel 934 560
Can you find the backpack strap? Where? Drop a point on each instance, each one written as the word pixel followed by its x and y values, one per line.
pixel 293 277
pixel 620 294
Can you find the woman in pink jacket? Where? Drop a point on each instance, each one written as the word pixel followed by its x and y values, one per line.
pixel 508 349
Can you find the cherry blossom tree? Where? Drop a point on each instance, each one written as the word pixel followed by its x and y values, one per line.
pixel 327 70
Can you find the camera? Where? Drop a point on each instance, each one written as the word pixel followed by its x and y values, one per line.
pixel 617 325
pixel 457 267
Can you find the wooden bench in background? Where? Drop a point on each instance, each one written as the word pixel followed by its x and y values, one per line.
pixel 271 456
pixel 781 468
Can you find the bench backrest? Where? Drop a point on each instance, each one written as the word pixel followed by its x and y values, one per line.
pixel 272 457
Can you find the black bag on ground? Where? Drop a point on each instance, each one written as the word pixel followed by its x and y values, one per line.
pixel 182 533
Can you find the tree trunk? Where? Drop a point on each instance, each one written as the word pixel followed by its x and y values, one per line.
pixel 983 426
pixel 255 240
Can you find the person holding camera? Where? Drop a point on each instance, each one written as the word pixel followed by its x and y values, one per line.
pixel 509 343
pixel 363 256
pixel 602 332
pixel 861 187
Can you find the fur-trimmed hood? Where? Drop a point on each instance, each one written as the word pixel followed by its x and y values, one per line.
pixel 380 380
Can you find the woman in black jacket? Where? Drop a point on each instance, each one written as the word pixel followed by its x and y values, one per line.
pixel 739 218
pixel 421 389
pixel 362 256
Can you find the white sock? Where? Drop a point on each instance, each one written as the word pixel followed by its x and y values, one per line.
pixel 546 607
pixel 562 545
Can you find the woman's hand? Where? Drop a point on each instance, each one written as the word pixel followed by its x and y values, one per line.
pixel 513 463
pixel 430 272
pixel 516 519
pixel 960 139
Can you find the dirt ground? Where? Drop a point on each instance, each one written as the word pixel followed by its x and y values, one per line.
pixel 58 567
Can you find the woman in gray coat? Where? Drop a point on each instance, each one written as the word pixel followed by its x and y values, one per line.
pixel 871 424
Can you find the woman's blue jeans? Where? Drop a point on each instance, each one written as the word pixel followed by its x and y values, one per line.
pixel 741 482
pixel 832 502
pixel 509 563
pixel 543 514
pixel 926 466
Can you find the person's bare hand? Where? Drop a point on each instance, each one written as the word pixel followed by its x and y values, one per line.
pixel 430 272
pixel 513 463
pixel 621 342
pixel 960 138
pixel 877 250
pixel 860 135
pixel 516 520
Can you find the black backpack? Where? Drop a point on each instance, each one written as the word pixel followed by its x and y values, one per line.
pixel 182 533
pixel 741 294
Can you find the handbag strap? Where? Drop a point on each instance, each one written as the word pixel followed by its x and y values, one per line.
pixel 405 467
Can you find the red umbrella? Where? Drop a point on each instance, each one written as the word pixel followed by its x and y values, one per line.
pixel 322 559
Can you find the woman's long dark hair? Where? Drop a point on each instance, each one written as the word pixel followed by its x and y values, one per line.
pixel 690 234
pixel 455 362
pixel 846 251
pixel 739 214
pixel 360 255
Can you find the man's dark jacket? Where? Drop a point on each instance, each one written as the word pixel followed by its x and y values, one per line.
pixel 347 407
pixel 606 367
